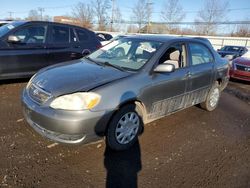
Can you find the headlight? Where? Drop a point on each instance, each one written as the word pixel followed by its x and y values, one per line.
pixel 76 101
pixel 30 81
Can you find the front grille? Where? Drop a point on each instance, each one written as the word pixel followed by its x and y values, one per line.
pixel 243 68
pixel 37 94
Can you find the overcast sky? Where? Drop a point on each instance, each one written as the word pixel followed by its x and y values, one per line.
pixel 20 8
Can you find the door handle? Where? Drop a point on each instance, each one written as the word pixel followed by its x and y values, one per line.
pixel 73 55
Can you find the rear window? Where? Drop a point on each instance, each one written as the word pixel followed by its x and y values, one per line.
pixel 60 34
pixel 200 54
pixel 82 35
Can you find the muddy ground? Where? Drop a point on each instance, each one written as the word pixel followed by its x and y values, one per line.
pixel 192 148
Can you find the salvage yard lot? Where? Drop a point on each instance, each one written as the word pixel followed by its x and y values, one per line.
pixel 192 148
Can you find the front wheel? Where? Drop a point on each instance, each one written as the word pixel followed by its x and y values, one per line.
pixel 212 99
pixel 124 128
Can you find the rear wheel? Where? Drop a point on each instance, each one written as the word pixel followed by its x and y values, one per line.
pixel 212 99
pixel 124 128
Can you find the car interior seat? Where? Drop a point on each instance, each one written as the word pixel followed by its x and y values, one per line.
pixel 175 58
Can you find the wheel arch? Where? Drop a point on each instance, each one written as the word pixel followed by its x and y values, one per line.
pixel 132 101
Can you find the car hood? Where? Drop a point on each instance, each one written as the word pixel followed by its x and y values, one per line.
pixel 74 76
pixel 242 61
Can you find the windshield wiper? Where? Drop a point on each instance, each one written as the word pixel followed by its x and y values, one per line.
pixel 105 64
pixel 112 65
pixel 96 62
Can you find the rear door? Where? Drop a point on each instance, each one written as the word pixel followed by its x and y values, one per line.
pixel 29 54
pixel 59 43
pixel 201 72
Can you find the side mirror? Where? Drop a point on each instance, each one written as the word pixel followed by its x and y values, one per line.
pixel 13 39
pixel 165 67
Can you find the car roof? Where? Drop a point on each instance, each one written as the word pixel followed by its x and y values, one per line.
pixel 48 22
pixel 165 38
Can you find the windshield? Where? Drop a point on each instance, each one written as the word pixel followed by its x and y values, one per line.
pixel 231 48
pixel 246 55
pixel 6 28
pixel 127 53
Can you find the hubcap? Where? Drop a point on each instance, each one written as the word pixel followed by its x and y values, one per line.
pixel 127 128
pixel 214 98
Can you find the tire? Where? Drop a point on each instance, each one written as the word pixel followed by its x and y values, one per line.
pixel 212 99
pixel 124 128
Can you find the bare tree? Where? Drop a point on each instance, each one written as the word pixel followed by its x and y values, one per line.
pixel 101 8
pixel 33 15
pixel 212 12
pixel 242 31
pixel 140 13
pixel 117 18
pixel 84 13
pixel 172 11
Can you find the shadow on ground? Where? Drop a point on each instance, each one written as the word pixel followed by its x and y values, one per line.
pixel 14 81
pixel 122 167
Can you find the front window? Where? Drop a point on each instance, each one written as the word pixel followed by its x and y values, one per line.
pixel 32 34
pixel 8 27
pixel 246 55
pixel 127 53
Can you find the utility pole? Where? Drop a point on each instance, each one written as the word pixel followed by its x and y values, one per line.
pixel 10 15
pixel 149 4
pixel 41 10
pixel 112 17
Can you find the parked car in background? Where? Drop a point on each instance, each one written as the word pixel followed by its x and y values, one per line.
pixel 3 22
pixel 113 39
pixel 114 94
pixel 26 47
pixel 240 67
pixel 232 52
pixel 104 36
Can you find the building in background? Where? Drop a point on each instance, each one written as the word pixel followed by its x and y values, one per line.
pixel 67 20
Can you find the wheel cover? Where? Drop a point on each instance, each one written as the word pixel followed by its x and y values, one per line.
pixel 214 97
pixel 127 128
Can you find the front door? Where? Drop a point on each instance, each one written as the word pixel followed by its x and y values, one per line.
pixel 168 90
pixel 28 55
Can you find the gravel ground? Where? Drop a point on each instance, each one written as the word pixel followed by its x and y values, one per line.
pixel 192 148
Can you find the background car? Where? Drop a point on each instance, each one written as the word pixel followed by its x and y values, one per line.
pixel 3 22
pixel 231 52
pixel 240 68
pixel 26 47
pixel 113 39
pixel 104 36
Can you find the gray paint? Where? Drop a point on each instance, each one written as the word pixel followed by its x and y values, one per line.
pixel 159 93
